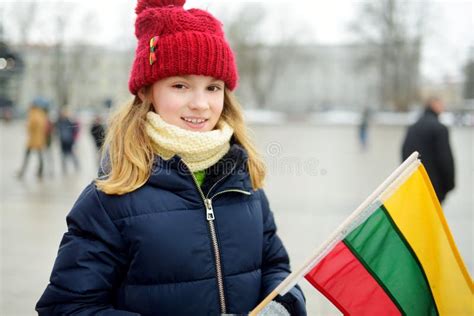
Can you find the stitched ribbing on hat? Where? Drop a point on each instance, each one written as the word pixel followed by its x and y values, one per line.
pixel 185 53
pixel 190 42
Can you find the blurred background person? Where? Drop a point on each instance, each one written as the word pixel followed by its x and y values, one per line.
pixel 36 139
pixel 48 152
pixel 98 134
pixel 6 109
pixel 68 131
pixel 430 138
pixel 363 128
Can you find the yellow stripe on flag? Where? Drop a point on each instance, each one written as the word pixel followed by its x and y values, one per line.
pixel 416 211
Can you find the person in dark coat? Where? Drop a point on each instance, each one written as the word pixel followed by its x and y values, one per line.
pixel 364 128
pixel 430 138
pixel 68 130
pixel 178 223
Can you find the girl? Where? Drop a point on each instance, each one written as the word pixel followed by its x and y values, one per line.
pixel 179 223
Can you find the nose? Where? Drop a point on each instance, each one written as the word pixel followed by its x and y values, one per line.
pixel 199 101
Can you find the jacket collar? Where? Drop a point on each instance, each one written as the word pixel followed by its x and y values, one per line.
pixel 228 173
pixel 430 112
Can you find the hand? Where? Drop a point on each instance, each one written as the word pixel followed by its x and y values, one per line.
pixel 274 308
pixel 289 302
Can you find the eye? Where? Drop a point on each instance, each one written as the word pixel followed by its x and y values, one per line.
pixel 179 86
pixel 214 88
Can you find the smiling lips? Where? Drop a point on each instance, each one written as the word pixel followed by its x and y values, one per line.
pixel 195 123
pixel 194 120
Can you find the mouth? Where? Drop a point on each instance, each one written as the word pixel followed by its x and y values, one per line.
pixel 194 122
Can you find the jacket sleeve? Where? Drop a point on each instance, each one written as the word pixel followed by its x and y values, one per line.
pixel 444 158
pixel 275 260
pixel 90 263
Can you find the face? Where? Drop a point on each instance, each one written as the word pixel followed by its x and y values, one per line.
pixel 191 102
pixel 437 106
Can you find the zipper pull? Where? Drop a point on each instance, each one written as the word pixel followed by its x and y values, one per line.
pixel 209 210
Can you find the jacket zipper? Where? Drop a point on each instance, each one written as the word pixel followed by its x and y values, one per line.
pixel 215 245
pixel 210 220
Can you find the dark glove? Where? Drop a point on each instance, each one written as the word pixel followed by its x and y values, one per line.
pixel 289 303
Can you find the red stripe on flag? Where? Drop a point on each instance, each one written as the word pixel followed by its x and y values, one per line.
pixel 348 285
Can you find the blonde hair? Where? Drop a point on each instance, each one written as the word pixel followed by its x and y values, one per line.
pixel 129 152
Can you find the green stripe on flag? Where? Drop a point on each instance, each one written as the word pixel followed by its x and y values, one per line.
pixel 386 255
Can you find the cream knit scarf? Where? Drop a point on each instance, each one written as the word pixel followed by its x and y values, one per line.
pixel 199 150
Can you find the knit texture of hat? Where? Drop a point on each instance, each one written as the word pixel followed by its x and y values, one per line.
pixel 173 41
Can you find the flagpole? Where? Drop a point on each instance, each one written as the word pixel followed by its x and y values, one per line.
pixel 296 275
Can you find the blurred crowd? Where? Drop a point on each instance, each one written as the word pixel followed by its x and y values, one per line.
pixel 42 130
pixel 427 135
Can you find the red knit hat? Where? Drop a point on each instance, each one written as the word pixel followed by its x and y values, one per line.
pixel 173 41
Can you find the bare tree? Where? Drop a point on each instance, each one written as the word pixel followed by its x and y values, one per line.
pixel 260 63
pixel 82 61
pixel 22 17
pixel 73 57
pixel 60 72
pixel 469 76
pixel 17 18
pixel 45 28
pixel 393 31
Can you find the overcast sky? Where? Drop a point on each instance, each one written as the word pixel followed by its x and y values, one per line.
pixel 447 45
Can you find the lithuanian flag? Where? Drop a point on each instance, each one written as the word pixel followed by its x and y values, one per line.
pixel 394 255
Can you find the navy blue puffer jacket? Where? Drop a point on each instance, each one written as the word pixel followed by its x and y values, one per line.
pixel 158 251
